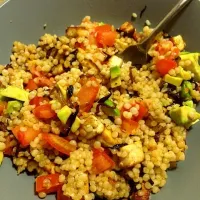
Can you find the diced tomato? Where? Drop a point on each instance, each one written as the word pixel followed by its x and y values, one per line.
pixel 31 85
pixel 44 112
pixel 43 81
pixel 103 28
pixel 59 143
pixel 37 100
pixel 8 152
pixel 25 137
pixel 163 66
pixel 164 47
pixel 88 94
pixel 61 196
pixel 47 183
pixel 167 46
pixel 174 53
pixel 129 125
pixel 143 111
pixel 34 71
pixel 3 106
pixel 106 38
pixel 101 161
pixel 79 45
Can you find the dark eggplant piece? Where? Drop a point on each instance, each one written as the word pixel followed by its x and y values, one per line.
pixel 145 196
pixel 173 165
pixel 51 52
pixel 127 29
pixel 175 96
pixel 69 123
pixel 3 127
pixel 132 188
pixel 112 119
pixel 103 99
pixel 70 91
pixel 110 111
pixel 97 197
pixel 59 96
pixel 118 146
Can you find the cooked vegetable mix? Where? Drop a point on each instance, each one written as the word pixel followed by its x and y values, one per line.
pixel 90 126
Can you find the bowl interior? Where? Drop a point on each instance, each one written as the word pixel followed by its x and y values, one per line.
pixel 24 19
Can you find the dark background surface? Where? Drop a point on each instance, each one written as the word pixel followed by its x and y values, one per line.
pixel 28 18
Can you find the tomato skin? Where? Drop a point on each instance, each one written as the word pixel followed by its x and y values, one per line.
pixel 164 47
pixel 44 112
pixel 34 71
pixel 142 112
pixel 80 45
pixel 163 66
pixel 61 196
pixel 25 137
pixel 101 161
pixel 103 28
pixel 87 95
pixel 47 183
pixel 43 81
pixel 104 35
pixel 106 38
pixel 31 85
pixel 37 100
pixel 129 125
pixel 174 53
pixel 167 46
pixel 60 144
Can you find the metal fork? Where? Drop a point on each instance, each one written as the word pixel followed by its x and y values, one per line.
pixel 137 54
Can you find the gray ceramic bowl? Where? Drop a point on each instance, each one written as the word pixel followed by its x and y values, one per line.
pixel 28 18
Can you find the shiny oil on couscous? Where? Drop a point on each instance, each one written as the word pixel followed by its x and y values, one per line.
pixel 90 126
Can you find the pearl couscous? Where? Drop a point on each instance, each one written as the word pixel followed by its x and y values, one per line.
pixel 90 126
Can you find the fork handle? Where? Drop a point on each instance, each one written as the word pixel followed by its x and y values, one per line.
pixel 175 10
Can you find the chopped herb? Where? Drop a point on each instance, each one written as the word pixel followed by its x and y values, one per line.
pixel 109 103
pixel 142 11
